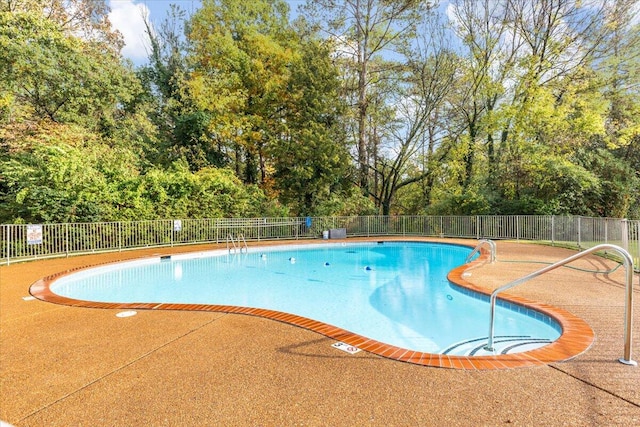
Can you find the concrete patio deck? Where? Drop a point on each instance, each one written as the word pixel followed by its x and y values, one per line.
pixel 70 366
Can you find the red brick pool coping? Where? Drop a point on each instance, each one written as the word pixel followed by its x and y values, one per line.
pixel 576 336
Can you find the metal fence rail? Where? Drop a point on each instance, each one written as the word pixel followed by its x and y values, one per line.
pixel 19 242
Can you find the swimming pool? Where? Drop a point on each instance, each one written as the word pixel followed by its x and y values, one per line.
pixel 396 293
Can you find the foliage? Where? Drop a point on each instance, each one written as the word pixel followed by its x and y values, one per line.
pixel 241 66
pixel 365 34
pixel 311 163
pixel 63 175
pixel 468 203
pixel 346 204
pixel 76 182
pixel 358 107
pixel 48 74
pixel 208 193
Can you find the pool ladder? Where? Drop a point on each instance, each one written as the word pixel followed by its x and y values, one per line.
pixel 628 311
pixel 241 242
pixel 492 249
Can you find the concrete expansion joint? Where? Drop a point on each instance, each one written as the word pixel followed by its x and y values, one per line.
pixel 596 386
pixel 116 370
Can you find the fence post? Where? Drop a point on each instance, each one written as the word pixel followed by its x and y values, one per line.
pixel 8 243
pixel 624 227
pixel 579 232
pixel 636 234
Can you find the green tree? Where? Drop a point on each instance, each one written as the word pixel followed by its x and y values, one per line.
pixel 310 159
pixel 408 140
pixel 183 129
pixel 177 192
pixel 84 19
pixel 49 74
pixel 528 90
pixel 241 59
pixel 364 31
pixel 62 174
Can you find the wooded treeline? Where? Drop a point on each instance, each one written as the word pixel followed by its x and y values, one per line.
pixel 356 107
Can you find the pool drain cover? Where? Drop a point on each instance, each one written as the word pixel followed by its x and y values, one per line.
pixel 126 313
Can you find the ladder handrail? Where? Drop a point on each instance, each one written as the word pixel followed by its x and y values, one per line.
pixel 246 248
pixel 238 238
pixel 230 237
pixel 628 265
pixel 492 248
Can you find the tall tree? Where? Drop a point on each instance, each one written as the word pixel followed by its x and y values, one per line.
pixel 50 73
pixel 530 89
pixel 410 140
pixel 183 128
pixel 488 59
pixel 619 73
pixel 240 58
pixel 366 32
pixel 84 19
pixel 311 160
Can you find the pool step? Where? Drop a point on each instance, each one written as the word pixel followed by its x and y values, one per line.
pixel 504 344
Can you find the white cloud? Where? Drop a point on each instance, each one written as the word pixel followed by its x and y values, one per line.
pixel 127 16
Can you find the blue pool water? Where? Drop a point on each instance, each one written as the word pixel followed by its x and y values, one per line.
pixel 393 292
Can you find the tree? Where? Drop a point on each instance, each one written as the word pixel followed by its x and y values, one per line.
pixel 411 138
pixel 176 192
pixel 84 19
pixel 310 159
pixel 62 173
pixel 365 31
pixel 48 74
pixel 241 65
pixel 183 128
pixel 530 88
pixel 619 76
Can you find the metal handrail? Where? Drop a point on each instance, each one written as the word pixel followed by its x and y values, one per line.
pixel 239 238
pixel 246 248
pixel 628 265
pixel 492 248
pixel 230 238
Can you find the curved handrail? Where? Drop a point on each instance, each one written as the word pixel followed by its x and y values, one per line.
pixel 492 248
pixel 233 242
pixel 628 265
pixel 239 239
